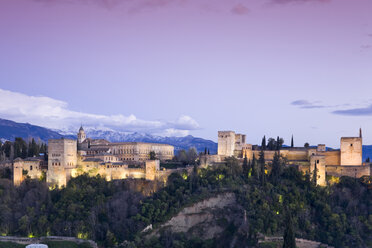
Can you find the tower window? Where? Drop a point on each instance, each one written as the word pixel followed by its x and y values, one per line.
pixel 351 144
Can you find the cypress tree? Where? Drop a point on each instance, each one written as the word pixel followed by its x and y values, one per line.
pixel 276 168
pixel 205 151
pixel 315 174
pixel 289 236
pixel 261 162
pixel 292 143
pixel 263 144
pixel 253 165
pixel 277 143
pixel 245 167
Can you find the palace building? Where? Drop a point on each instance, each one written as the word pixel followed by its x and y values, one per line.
pixel 69 158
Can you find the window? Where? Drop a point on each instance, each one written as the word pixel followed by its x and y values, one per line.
pixel 351 144
pixel 317 161
pixel 30 167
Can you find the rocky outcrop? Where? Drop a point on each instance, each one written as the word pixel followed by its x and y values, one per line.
pixel 205 219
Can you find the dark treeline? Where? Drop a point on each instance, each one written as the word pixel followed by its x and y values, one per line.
pixel 272 144
pixel 19 148
pixel 270 195
pixel 188 157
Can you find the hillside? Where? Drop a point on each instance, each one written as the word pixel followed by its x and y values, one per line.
pixel 9 130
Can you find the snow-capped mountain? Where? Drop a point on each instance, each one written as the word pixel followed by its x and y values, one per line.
pixel 9 130
pixel 178 142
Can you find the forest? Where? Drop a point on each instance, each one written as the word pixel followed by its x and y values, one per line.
pixel 114 213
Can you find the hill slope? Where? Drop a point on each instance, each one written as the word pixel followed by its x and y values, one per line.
pixel 9 130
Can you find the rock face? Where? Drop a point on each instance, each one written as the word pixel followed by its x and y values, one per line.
pixel 207 218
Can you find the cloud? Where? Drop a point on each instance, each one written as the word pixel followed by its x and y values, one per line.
pixel 55 114
pixel 138 6
pixel 304 104
pixel 366 47
pixel 298 1
pixel 109 4
pixel 240 9
pixel 366 111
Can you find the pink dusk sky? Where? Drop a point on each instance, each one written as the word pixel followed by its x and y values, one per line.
pixel 178 67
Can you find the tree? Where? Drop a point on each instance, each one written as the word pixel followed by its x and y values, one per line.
pixel 253 166
pixel 205 151
pixel 315 174
pixel 292 143
pixel 263 144
pixel 306 145
pixel 245 167
pixel 233 166
pixel 152 155
pixel 289 236
pixel 192 155
pixel 182 156
pixel 271 144
pixel 276 168
pixel 368 160
pixel 261 162
pixel 277 143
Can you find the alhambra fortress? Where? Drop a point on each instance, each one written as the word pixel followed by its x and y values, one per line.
pixel 69 158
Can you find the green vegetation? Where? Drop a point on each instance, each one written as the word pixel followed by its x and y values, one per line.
pixel 66 244
pixel 115 212
pixel 51 244
pixel 19 148
pixel 10 245
pixel 188 157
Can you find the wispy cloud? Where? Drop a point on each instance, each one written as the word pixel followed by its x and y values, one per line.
pixel 366 47
pixel 52 113
pixel 298 1
pixel 138 6
pixel 366 111
pixel 307 104
pixel 240 9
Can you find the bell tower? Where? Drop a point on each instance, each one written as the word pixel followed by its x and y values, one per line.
pixel 81 135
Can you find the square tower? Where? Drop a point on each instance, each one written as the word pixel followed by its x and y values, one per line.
pixel 351 151
pixel 62 158
pixel 226 143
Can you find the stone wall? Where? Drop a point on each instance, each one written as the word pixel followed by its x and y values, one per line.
pixel 350 171
pixel 31 168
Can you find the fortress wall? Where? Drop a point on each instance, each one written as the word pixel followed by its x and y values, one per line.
pixel 332 157
pixel 351 151
pixel 33 169
pixel 57 176
pixel 350 171
pixel 136 173
pixel 295 155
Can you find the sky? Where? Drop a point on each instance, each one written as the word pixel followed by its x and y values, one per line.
pixel 179 67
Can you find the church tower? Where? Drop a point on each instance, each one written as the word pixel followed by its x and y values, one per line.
pixel 81 135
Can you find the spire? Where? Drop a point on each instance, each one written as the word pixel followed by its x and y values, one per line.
pixel 360 133
pixel 81 128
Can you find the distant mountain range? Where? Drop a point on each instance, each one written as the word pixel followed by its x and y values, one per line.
pixel 9 130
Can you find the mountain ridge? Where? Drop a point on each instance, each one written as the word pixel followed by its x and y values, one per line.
pixel 9 130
